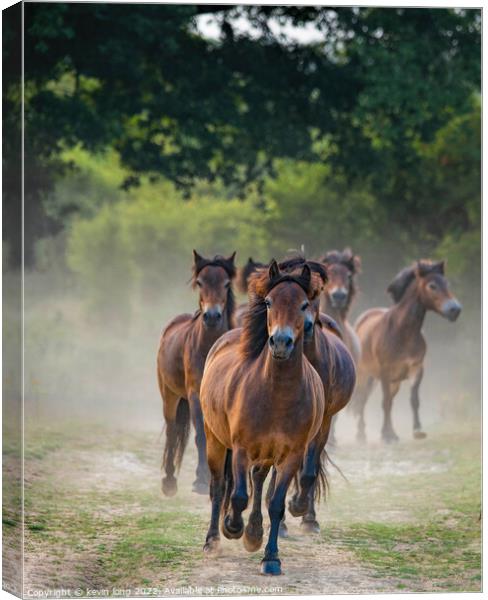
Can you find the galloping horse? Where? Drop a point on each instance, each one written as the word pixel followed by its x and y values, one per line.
pixel 335 366
pixel 392 345
pixel 262 400
pixel 342 269
pixel 183 348
pixel 242 282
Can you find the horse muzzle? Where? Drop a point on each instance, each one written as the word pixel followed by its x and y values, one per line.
pixel 338 297
pixel 212 318
pixel 281 343
pixel 451 309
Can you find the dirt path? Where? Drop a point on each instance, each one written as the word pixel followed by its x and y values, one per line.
pixel 97 520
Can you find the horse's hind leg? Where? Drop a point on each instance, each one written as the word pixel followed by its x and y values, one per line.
pixel 233 525
pixel 176 415
pixel 418 434
pixel 216 460
pixel 362 394
pixel 200 485
pixel 390 390
pixel 271 564
pixel 253 533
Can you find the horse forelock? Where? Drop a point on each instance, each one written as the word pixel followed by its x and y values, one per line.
pixel 216 261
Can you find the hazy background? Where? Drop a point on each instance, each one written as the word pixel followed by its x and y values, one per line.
pixel 152 130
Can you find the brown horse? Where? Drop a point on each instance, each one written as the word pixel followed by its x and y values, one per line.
pixel 242 282
pixel 342 269
pixel 183 348
pixel 262 400
pixel 392 345
pixel 335 366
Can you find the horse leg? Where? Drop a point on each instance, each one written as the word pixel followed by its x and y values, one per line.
pixel 233 525
pixel 299 504
pixel 389 392
pixel 309 522
pixel 283 531
pixel 216 461
pixel 253 533
pixel 418 434
pixel 174 442
pixel 200 485
pixel 362 394
pixel 271 564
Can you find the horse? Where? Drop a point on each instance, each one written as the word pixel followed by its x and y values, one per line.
pixel 333 362
pixel 243 275
pixel 184 345
pixel 392 345
pixel 342 269
pixel 263 401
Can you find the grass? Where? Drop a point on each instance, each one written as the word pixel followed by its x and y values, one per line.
pixel 424 530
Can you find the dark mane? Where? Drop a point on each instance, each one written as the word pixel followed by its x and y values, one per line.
pixel 255 327
pixel 245 272
pixel 401 282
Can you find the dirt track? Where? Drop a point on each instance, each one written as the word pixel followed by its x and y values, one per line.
pixel 96 519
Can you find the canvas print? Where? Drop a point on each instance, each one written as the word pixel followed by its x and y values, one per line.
pixel 241 299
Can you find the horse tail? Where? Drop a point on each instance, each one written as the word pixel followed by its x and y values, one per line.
pixel 182 431
pixel 322 481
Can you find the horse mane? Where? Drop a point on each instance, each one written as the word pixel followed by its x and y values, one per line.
pixel 245 272
pixel 228 265
pixel 255 326
pixel 290 264
pixel 404 278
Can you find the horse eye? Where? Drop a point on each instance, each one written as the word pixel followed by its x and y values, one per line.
pixel 432 286
pixel 199 283
pixel 227 284
pixel 268 303
pixel 305 305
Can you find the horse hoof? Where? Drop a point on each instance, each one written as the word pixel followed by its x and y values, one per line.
pixel 390 438
pixel 419 435
pixel 271 567
pixel 200 487
pixel 283 531
pixel 212 546
pixel 296 509
pixel 169 486
pixel 229 532
pixel 252 540
pixel 310 527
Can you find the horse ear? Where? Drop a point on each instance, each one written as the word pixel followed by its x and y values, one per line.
pixel 231 258
pixel 274 270
pixel 439 267
pixel 306 274
pixel 356 260
pixel 196 257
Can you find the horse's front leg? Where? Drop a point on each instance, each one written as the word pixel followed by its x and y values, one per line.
pixel 283 531
pixel 200 485
pixel 390 390
pixel 253 533
pixel 271 564
pixel 233 524
pixel 216 460
pixel 418 434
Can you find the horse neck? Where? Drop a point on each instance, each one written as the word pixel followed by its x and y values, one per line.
pixel 409 313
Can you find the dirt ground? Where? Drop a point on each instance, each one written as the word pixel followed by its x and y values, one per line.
pixel 406 519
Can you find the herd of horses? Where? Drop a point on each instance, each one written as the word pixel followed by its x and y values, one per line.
pixel 263 381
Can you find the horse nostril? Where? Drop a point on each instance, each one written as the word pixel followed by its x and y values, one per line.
pixel 271 341
pixel 289 342
pixel 205 316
